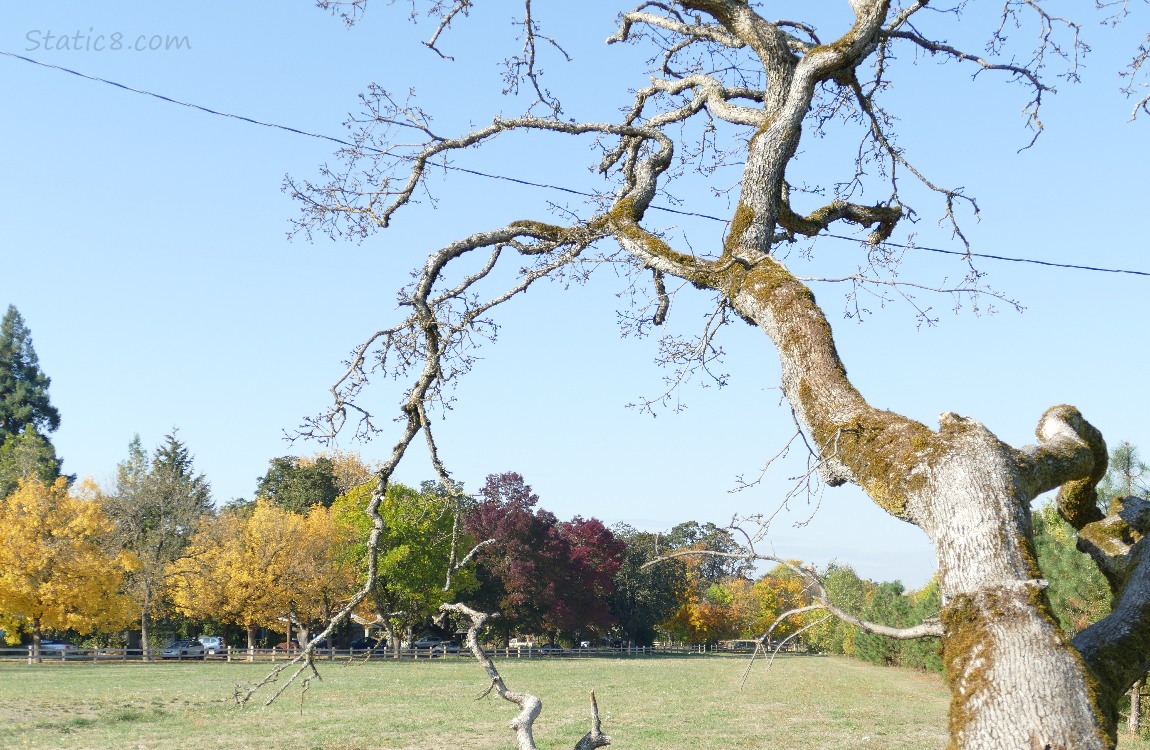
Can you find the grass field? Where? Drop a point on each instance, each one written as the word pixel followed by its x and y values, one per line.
pixel 649 703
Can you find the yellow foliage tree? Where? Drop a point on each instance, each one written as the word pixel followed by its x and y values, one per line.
pixel 323 575
pixel 262 569
pixel 777 592
pixel 55 573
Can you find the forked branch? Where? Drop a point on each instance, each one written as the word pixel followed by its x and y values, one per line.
pixel 529 705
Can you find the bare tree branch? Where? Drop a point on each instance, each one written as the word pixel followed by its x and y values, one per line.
pixel 530 706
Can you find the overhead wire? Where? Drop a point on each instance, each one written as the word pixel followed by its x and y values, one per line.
pixel 548 186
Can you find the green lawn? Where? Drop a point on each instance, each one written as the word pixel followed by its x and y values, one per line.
pixel 649 703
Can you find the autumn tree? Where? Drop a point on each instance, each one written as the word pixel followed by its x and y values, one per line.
pixel 156 505
pixel 540 574
pixel 55 569
pixel 732 87
pixel 519 573
pixel 706 613
pixel 322 578
pixel 594 555
pixel 347 467
pixel 768 597
pixel 724 556
pixel 267 568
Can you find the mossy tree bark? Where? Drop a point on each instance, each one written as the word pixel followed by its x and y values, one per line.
pixel 1016 681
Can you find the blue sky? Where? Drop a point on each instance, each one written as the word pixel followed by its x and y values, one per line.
pixel 145 245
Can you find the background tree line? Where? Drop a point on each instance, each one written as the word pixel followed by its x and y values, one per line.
pixel 77 558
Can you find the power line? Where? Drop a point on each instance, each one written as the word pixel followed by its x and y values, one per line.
pixel 174 101
pixel 544 185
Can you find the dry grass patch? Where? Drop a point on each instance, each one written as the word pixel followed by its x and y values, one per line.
pixel 647 704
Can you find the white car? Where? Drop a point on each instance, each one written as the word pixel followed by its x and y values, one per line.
pixel 54 647
pixel 183 650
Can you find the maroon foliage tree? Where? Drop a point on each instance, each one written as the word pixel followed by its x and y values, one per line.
pixel 594 557
pixel 539 574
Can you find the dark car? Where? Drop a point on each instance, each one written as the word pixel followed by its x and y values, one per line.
pixel 368 644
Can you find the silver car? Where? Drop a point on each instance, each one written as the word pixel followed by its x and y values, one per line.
pixel 183 650
pixel 49 646
pixel 213 644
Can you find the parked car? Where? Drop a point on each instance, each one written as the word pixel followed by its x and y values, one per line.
pixel 51 646
pixel 366 644
pixel 447 647
pixel 183 650
pixel 550 648
pixel 424 644
pixel 213 644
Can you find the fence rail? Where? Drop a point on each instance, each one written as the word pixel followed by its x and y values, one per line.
pixel 84 654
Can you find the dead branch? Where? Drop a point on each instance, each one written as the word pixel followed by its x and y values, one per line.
pixel 530 706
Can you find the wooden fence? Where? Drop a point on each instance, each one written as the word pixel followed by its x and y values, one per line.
pixel 85 654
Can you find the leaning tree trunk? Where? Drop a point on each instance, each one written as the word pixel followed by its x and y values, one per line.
pixel 1015 680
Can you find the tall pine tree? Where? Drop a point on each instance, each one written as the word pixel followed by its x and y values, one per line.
pixel 23 386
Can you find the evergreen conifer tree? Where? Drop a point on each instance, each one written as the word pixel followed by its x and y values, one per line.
pixel 23 385
pixel 175 480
